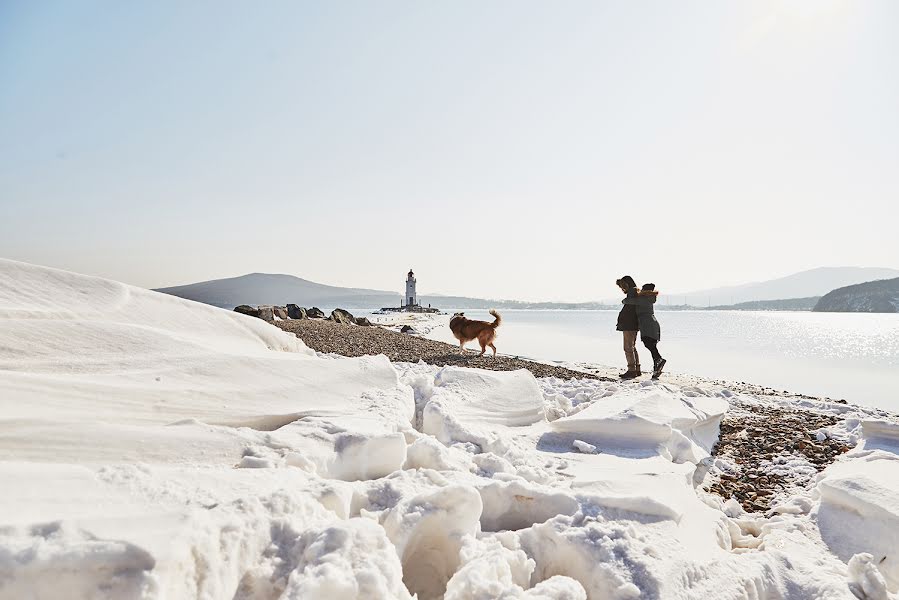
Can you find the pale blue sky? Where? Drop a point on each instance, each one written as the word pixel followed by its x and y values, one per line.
pixel 503 149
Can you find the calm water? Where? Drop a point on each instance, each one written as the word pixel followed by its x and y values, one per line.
pixel 850 356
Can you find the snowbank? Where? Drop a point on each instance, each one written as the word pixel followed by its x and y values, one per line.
pixel 684 427
pixel 858 514
pixel 474 405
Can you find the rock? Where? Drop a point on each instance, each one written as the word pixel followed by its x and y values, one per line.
pixel 246 309
pixel 338 315
pixel 281 312
pixel 266 313
pixel 315 313
pixel 408 329
pixel 296 312
pixel 363 321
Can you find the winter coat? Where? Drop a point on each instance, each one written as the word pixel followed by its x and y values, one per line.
pixel 646 319
pixel 627 318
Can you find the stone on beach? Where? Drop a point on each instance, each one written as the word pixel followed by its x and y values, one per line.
pixel 296 312
pixel 315 313
pixel 248 310
pixel 339 315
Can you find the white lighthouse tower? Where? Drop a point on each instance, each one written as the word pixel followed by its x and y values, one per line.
pixel 411 298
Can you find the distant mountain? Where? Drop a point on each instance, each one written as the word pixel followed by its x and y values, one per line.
pixel 873 296
pixel 816 282
pixel 266 288
pixel 789 304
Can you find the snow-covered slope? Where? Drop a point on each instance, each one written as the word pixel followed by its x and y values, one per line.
pixel 151 447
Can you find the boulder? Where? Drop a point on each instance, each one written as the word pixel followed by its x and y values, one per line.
pixel 246 309
pixel 363 321
pixel 296 312
pixel 266 313
pixel 280 312
pixel 338 315
pixel 408 329
pixel 315 313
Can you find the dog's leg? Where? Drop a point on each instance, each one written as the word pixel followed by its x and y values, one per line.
pixel 461 346
pixel 483 349
pixel 494 349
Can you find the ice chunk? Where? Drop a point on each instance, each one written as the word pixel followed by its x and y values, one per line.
pixel 582 446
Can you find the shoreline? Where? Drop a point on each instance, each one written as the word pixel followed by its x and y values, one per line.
pixel 763 430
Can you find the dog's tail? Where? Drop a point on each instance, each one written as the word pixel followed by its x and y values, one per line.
pixel 497 321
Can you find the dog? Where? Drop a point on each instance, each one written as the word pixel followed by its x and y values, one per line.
pixel 466 330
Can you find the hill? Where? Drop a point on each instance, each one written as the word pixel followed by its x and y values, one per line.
pixel 872 296
pixel 805 284
pixel 267 288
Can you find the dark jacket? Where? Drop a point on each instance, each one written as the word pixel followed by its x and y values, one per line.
pixel 646 320
pixel 627 318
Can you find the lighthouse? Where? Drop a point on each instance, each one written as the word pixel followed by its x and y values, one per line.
pixel 411 299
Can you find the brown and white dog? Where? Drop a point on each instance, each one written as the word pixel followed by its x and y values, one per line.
pixel 466 330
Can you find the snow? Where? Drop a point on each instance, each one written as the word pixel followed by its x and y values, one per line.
pixel 684 428
pixel 153 447
pixel 859 508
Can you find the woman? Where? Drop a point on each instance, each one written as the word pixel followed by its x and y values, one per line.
pixel 628 326
pixel 650 330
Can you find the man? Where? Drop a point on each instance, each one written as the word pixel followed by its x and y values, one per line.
pixel 628 326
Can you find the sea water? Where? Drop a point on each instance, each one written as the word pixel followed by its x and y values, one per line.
pixel 851 356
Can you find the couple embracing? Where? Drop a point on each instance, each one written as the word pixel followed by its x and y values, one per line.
pixel 637 315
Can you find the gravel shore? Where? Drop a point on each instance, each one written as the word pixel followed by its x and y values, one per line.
pixel 760 438
pixel 353 340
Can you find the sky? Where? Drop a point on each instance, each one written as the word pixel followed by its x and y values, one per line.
pixel 503 149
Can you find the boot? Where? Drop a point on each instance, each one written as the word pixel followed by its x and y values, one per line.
pixel 630 375
pixel 657 371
